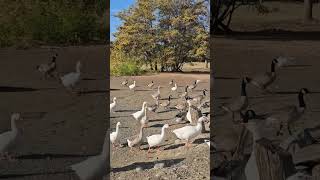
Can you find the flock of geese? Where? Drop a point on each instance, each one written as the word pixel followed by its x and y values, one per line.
pixel 88 169
pixel 190 108
pixel 258 124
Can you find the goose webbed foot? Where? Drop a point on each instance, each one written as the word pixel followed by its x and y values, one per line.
pixel 7 156
pixel 188 145
pixel 159 149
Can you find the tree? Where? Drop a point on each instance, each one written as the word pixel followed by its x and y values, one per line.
pixel 165 32
pixel 183 33
pixel 137 36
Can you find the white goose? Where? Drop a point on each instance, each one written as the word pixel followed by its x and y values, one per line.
pixel 175 87
pixel 113 104
pixel 136 141
pixel 114 135
pixel 132 86
pixel 70 80
pixel 93 167
pixel 139 114
pixel 189 132
pixel 8 138
pixel 144 120
pixel 156 139
pixel 189 115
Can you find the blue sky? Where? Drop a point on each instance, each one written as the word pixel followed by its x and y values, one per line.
pixel 116 6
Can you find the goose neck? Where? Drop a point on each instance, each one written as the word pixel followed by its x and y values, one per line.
pixel 78 68
pixel 162 132
pixel 199 126
pixel 13 125
pixel 117 128
pixel 273 67
pixel 243 89
pixel 302 103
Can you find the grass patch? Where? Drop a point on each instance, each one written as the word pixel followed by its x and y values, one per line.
pixel 122 65
pixel 128 68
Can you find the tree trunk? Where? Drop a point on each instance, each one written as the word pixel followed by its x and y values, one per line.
pixel 207 64
pixel 156 65
pixel 307 10
pixel 316 172
pixel 151 67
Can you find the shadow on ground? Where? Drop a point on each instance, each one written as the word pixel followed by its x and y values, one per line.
pixel 147 165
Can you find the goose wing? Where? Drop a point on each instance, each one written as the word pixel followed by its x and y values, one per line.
pixel 154 139
pixel 92 168
pixel 237 105
pixel 70 78
pixel 185 132
pixel 6 139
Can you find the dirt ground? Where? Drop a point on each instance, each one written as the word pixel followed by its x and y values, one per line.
pixel 252 53
pixel 179 162
pixel 55 125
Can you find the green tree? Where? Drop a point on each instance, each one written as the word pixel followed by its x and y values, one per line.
pixel 165 32
pixel 137 36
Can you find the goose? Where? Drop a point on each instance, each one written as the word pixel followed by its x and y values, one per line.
pixel 297 111
pixel 175 87
pixel 240 103
pixel 204 105
pixel 189 115
pixel 185 93
pixel 166 103
pixel 49 68
pixel 156 94
pixel 132 86
pixel 193 86
pixel 144 120
pixel 189 132
pixel 171 82
pixel 156 139
pixel 125 82
pixel 70 80
pixel 154 107
pixel 113 104
pixel 136 140
pixel 180 116
pixel 151 84
pixel 200 97
pixel 93 167
pixel 284 61
pixel 7 139
pixel 263 81
pixel 139 114
pixel 114 135
pixel 257 128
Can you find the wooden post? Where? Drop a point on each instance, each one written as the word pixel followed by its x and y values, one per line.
pixel 273 162
pixel 308 10
pixel 316 172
